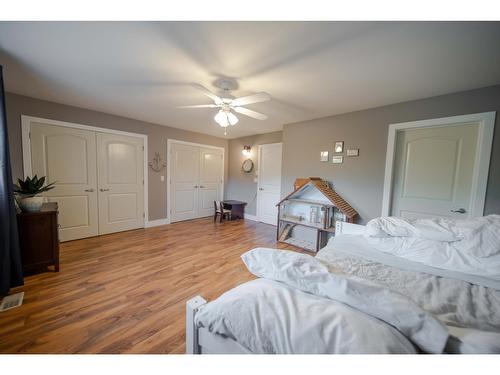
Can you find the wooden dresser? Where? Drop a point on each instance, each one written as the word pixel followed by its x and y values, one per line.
pixel 38 238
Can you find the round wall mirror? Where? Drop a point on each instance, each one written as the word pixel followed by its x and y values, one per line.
pixel 247 166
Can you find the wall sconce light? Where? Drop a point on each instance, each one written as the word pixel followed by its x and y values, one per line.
pixel 246 150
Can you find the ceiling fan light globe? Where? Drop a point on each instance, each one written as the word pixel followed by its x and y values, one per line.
pixel 231 117
pixel 222 119
pixel 225 118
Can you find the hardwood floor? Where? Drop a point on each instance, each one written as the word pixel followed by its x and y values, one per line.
pixel 126 292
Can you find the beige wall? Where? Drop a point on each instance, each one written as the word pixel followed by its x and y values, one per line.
pixel 360 179
pixel 241 186
pixel 18 105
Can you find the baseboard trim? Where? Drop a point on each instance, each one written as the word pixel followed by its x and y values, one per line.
pixel 251 217
pixel 156 223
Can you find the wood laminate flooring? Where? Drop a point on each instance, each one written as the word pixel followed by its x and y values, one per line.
pixel 126 292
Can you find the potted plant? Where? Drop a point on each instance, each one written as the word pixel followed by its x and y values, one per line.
pixel 27 192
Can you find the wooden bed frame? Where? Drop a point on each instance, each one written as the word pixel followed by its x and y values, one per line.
pixel 200 341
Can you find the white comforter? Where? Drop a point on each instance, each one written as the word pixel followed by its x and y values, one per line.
pixel 471 246
pixel 266 316
pixel 454 302
pixel 307 305
pixel 263 315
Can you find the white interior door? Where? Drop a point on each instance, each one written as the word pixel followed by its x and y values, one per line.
pixel 269 182
pixel 185 164
pixel 434 169
pixel 210 182
pixel 68 157
pixel 121 187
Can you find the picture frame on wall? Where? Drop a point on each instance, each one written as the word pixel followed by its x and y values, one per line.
pixel 339 147
pixel 324 156
pixel 353 152
pixel 337 159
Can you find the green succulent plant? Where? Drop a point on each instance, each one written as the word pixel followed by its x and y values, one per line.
pixel 32 186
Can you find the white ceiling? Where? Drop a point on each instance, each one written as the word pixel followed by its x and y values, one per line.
pixel 142 70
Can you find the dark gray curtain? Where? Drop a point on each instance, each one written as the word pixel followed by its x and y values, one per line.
pixel 10 257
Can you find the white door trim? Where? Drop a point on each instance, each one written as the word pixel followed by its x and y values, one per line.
pixel 170 142
pixel 483 154
pixel 26 146
pixel 258 173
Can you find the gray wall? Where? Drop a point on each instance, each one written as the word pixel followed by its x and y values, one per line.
pixel 241 186
pixel 18 105
pixel 360 179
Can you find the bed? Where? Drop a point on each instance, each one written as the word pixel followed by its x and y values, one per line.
pixel 350 298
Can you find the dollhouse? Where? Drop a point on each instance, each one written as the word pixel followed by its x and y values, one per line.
pixel 307 216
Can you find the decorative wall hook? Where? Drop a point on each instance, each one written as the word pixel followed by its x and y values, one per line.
pixel 157 165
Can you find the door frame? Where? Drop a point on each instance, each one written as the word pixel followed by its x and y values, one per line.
pixel 172 141
pixel 482 161
pixel 258 173
pixel 26 123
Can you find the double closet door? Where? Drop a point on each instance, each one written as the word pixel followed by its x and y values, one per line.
pixel 196 181
pixel 99 178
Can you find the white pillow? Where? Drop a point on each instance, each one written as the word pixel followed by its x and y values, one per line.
pixel 435 229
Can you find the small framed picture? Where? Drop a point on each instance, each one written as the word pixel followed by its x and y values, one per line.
pixel 352 152
pixel 339 147
pixel 324 156
pixel 337 159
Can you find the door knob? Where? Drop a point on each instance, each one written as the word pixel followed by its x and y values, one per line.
pixel 89 190
pixel 261 189
pixel 104 189
pixel 202 187
pixel 459 211
pixel 195 186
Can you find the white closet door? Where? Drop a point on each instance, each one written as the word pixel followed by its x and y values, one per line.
pixel 210 186
pixel 121 187
pixel 269 183
pixel 434 170
pixel 185 164
pixel 68 156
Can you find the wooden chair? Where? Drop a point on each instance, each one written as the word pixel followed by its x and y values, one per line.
pixel 220 210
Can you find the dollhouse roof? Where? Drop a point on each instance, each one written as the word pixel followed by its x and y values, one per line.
pixel 326 190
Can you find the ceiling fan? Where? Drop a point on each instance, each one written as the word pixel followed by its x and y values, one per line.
pixel 228 104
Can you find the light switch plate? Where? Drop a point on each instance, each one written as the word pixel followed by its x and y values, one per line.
pixel 162 178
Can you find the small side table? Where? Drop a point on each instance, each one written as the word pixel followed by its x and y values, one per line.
pixel 237 208
pixel 39 239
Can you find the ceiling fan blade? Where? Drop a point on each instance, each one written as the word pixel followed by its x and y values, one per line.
pixel 207 92
pixel 250 113
pixel 255 98
pixel 199 106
